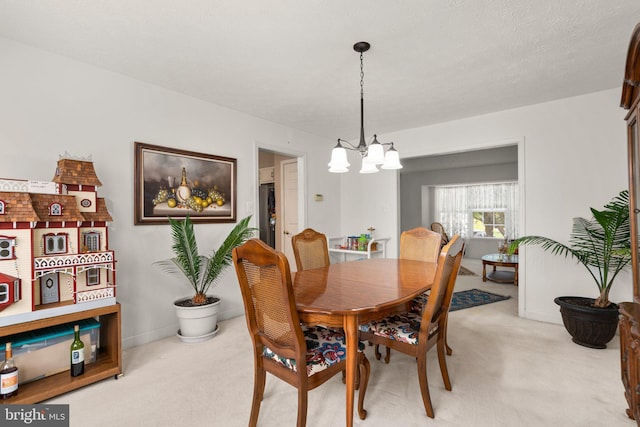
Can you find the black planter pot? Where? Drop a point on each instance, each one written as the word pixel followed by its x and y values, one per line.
pixel 589 326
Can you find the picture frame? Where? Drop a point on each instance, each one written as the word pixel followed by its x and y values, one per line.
pixel 209 195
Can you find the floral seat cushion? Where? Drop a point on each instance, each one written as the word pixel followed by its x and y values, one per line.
pixel 325 347
pixel 418 303
pixel 404 327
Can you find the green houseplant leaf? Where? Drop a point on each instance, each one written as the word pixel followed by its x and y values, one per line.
pixel 602 244
pixel 202 271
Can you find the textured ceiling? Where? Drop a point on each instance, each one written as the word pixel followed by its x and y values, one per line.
pixel 292 62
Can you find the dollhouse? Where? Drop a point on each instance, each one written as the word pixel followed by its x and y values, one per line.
pixel 54 249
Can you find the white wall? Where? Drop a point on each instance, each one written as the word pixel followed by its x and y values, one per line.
pixel 573 157
pixel 51 104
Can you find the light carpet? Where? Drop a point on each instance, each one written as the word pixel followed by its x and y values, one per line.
pixel 505 371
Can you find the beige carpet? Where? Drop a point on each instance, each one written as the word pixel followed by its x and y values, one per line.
pixel 505 371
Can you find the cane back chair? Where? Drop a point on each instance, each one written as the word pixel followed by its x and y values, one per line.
pixel 280 343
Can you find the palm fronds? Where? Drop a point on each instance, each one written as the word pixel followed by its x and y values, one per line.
pixel 199 270
pixel 222 258
pixel 601 244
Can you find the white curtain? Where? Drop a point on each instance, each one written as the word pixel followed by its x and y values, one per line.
pixel 454 204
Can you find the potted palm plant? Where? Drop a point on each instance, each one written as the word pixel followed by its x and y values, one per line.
pixel 603 246
pixel 198 314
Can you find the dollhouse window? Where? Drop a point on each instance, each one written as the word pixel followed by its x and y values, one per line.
pixel 92 241
pixel 93 276
pixel 4 293
pixel 9 290
pixel 7 245
pixel 1 207
pixel 55 209
pixel 55 244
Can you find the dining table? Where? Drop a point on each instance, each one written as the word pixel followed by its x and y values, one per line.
pixel 348 294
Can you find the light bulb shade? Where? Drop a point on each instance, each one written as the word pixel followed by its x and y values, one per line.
pixel 391 160
pixel 375 152
pixel 368 166
pixel 339 162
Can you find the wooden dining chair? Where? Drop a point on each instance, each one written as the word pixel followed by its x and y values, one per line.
pixel 414 334
pixel 418 244
pixel 281 345
pixel 310 249
pixel 439 228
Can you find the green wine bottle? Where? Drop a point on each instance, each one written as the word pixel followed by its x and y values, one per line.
pixel 77 353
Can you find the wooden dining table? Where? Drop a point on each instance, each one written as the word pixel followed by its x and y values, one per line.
pixel 351 293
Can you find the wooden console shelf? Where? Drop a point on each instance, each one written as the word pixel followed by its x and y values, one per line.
pixel 108 361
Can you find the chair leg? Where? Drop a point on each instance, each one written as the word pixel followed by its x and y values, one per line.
pixel 302 407
pixel 365 371
pixel 442 359
pixel 258 392
pixel 387 356
pixel 424 386
pixel 344 378
pixel 376 351
pixel 446 340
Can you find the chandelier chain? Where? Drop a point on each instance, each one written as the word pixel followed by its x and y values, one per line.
pixel 361 77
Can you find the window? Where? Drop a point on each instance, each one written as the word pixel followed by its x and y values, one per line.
pixel 55 244
pixel 9 290
pixel 478 210
pixel 1 207
pixel 55 209
pixel 489 223
pixel 4 293
pixel 92 241
pixel 93 276
pixel 7 245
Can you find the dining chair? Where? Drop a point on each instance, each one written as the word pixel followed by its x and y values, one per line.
pixel 281 344
pixel 439 228
pixel 413 333
pixel 310 249
pixel 418 244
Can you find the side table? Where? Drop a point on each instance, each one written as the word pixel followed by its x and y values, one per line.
pixel 500 276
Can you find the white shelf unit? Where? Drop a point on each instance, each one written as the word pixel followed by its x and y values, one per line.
pixel 380 250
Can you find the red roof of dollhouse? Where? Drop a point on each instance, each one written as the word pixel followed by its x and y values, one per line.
pixel 76 172
pixel 34 207
pixel 17 207
pixel 70 211
pixel 101 213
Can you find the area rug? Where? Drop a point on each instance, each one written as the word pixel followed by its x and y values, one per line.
pixel 473 298
pixel 465 271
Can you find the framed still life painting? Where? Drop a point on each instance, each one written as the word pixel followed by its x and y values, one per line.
pixel 175 183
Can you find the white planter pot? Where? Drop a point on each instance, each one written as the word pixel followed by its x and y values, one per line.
pixel 197 323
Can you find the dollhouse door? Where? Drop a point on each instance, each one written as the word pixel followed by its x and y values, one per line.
pixel 49 289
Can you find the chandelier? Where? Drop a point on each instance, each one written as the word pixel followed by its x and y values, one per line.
pixel 372 154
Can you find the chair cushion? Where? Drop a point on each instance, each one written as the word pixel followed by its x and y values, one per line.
pixel 418 303
pixel 404 327
pixel 325 347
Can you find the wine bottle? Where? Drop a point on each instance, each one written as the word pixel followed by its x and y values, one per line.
pixel 8 375
pixel 77 353
pixel 184 192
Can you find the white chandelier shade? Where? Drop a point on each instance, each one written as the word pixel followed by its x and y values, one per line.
pixel 339 162
pixel 391 159
pixel 368 166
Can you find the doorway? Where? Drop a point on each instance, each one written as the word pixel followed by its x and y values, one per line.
pixel 283 172
pixel 49 289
